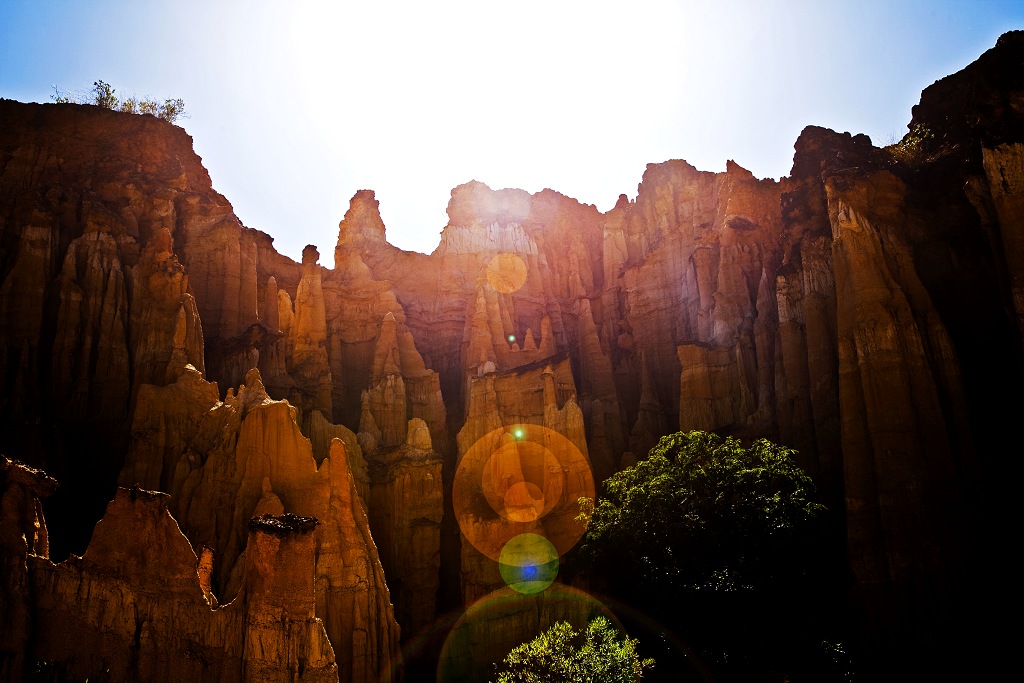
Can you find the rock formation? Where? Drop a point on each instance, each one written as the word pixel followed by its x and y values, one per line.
pixel 22 533
pixel 406 504
pixel 133 607
pixel 308 339
pixel 402 416
pixel 247 456
pixel 867 310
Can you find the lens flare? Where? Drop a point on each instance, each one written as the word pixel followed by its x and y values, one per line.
pixel 521 479
pixel 524 502
pixel 528 563
pixel 506 273
pixel 498 622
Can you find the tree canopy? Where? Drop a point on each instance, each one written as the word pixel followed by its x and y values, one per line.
pixel 723 543
pixel 596 654
pixel 704 513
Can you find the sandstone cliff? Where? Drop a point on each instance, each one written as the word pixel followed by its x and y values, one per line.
pixel 246 456
pixel 134 608
pixel 867 310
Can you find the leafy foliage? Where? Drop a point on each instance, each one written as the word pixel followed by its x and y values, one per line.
pixel 912 148
pixel 594 655
pixel 725 544
pixel 170 110
pixel 702 513
pixel 104 95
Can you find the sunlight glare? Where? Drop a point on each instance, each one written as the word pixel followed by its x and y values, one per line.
pixel 517 96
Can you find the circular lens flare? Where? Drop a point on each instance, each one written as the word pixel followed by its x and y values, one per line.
pixel 505 618
pixel 528 563
pixel 524 502
pixel 530 471
pixel 506 273
pixel 521 479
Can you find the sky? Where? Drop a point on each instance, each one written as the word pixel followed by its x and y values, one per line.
pixel 294 106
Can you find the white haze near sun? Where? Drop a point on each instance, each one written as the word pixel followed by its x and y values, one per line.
pixel 296 105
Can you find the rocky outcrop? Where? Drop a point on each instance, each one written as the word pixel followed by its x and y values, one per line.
pixel 896 361
pixel 96 209
pixel 308 339
pixel 518 437
pixel 402 415
pixel 406 504
pixel 225 462
pixel 279 590
pixel 165 331
pixel 134 608
pixel 22 533
pixel 143 616
pixel 22 307
pixel 90 371
pixel 1004 176
pixel 857 310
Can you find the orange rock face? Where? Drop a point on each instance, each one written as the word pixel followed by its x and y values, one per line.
pixel 132 608
pixel 247 456
pixel 523 466
pixel 22 533
pixel 406 504
pixel 866 310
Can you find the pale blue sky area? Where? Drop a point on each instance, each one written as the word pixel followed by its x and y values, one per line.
pixel 296 105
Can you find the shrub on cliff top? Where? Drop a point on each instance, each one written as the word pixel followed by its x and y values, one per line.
pixel 104 95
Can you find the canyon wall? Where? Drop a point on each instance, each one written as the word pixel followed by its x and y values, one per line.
pixel 867 310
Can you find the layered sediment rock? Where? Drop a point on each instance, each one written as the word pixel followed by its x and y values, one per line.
pixel 856 310
pixel 406 504
pixel 133 607
pixel 22 533
pixel 224 462
pixel 308 339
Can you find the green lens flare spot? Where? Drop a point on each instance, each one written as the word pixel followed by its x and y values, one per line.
pixel 528 563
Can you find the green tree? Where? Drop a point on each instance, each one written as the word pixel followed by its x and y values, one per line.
pixel 561 654
pixel 704 513
pixel 722 542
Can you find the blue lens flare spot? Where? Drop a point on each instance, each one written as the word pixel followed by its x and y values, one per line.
pixel 528 563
